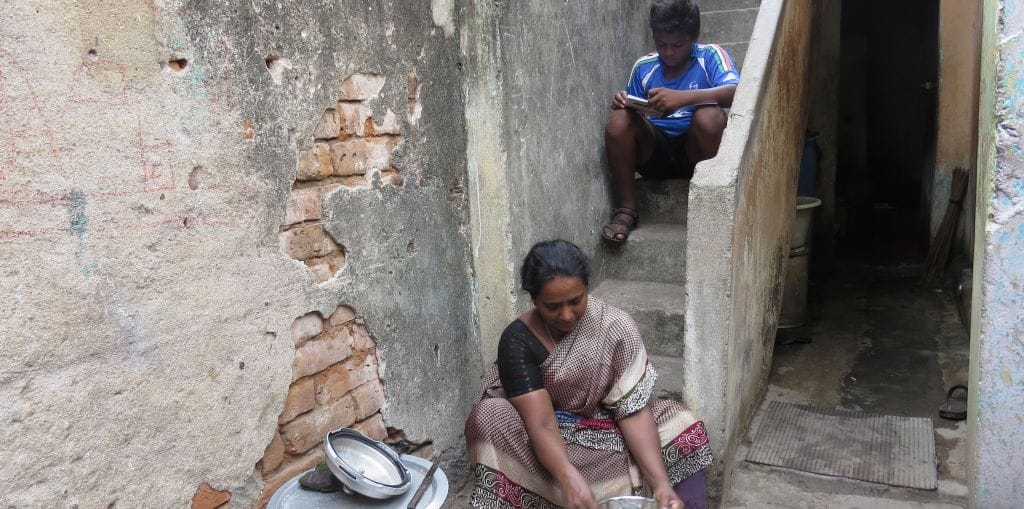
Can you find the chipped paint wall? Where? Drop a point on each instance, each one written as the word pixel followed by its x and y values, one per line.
pixel 148 160
pixel 996 410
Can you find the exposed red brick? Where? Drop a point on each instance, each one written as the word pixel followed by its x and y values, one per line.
pixel 341 316
pixel 301 399
pixel 338 380
pixel 329 125
pixel 372 427
pixel 359 87
pixel 273 482
pixel 329 264
pixel 208 498
pixel 317 355
pixel 354 181
pixel 390 124
pixel 304 242
pixel 324 267
pixel 273 455
pixel 362 369
pixel 248 129
pixel 352 118
pixel 309 429
pixel 358 156
pixel 332 383
pixel 369 398
pixel 303 205
pixel 306 326
pixel 361 339
pixel 392 176
pixel 315 163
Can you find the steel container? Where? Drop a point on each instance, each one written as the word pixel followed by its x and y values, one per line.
pixel 364 465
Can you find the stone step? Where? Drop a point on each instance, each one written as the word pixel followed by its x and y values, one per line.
pixel 737 50
pixel 723 27
pixel 670 377
pixel 725 5
pixel 654 252
pixel 657 308
pixel 662 201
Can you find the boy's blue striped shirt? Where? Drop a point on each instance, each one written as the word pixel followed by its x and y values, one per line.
pixel 711 67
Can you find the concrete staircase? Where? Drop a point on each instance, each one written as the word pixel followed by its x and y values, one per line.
pixel 645 277
pixel 729 24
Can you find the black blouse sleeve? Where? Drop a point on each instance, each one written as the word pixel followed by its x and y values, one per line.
pixel 520 355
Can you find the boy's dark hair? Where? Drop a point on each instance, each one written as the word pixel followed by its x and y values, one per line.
pixel 549 259
pixel 675 16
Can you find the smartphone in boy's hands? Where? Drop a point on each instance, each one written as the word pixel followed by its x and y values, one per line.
pixel 640 104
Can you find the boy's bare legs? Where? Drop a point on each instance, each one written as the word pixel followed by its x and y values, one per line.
pixel 627 142
pixel 705 134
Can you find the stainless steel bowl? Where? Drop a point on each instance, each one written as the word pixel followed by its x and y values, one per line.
pixel 628 503
pixel 364 465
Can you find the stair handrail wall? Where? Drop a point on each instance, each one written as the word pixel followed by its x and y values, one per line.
pixel 740 213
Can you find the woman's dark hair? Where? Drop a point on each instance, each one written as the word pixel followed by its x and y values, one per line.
pixel 549 259
pixel 675 16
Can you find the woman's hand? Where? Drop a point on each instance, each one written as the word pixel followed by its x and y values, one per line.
pixel 539 417
pixel 667 498
pixel 576 492
pixel 641 437
pixel 619 100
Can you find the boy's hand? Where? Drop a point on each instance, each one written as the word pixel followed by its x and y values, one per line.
pixel 619 100
pixel 668 100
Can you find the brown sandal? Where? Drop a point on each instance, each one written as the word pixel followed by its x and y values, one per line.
pixel 610 233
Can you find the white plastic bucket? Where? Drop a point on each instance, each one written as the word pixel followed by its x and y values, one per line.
pixel 794 294
pixel 805 206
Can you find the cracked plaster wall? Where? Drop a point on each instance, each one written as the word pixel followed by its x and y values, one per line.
pixel 539 80
pixel 996 410
pixel 145 168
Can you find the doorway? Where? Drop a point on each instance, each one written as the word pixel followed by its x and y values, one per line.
pixel 886 130
pixel 874 339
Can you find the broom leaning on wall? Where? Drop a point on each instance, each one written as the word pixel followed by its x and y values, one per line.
pixel 938 254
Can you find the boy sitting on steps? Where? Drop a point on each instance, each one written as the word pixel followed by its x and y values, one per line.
pixel 689 83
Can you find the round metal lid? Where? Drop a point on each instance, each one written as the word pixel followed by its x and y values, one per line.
pixel 364 465
pixel 291 496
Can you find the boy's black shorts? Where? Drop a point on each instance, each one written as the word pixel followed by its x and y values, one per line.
pixel 668 161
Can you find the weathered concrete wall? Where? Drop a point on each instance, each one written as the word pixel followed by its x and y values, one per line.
pixel 561 65
pixel 741 211
pixel 148 158
pixel 996 408
pixel 956 121
pixel 540 76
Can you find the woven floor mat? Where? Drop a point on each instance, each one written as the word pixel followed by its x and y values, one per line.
pixel 899 451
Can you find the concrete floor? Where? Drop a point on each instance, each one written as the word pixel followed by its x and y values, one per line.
pixel 880 344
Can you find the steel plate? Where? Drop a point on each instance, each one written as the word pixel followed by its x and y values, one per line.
pixel 291 496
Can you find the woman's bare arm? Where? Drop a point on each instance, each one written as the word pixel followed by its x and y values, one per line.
pixel 538 414
pixel 642 439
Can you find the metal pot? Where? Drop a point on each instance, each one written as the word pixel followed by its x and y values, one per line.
pixel 364 465
pixel 628 503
